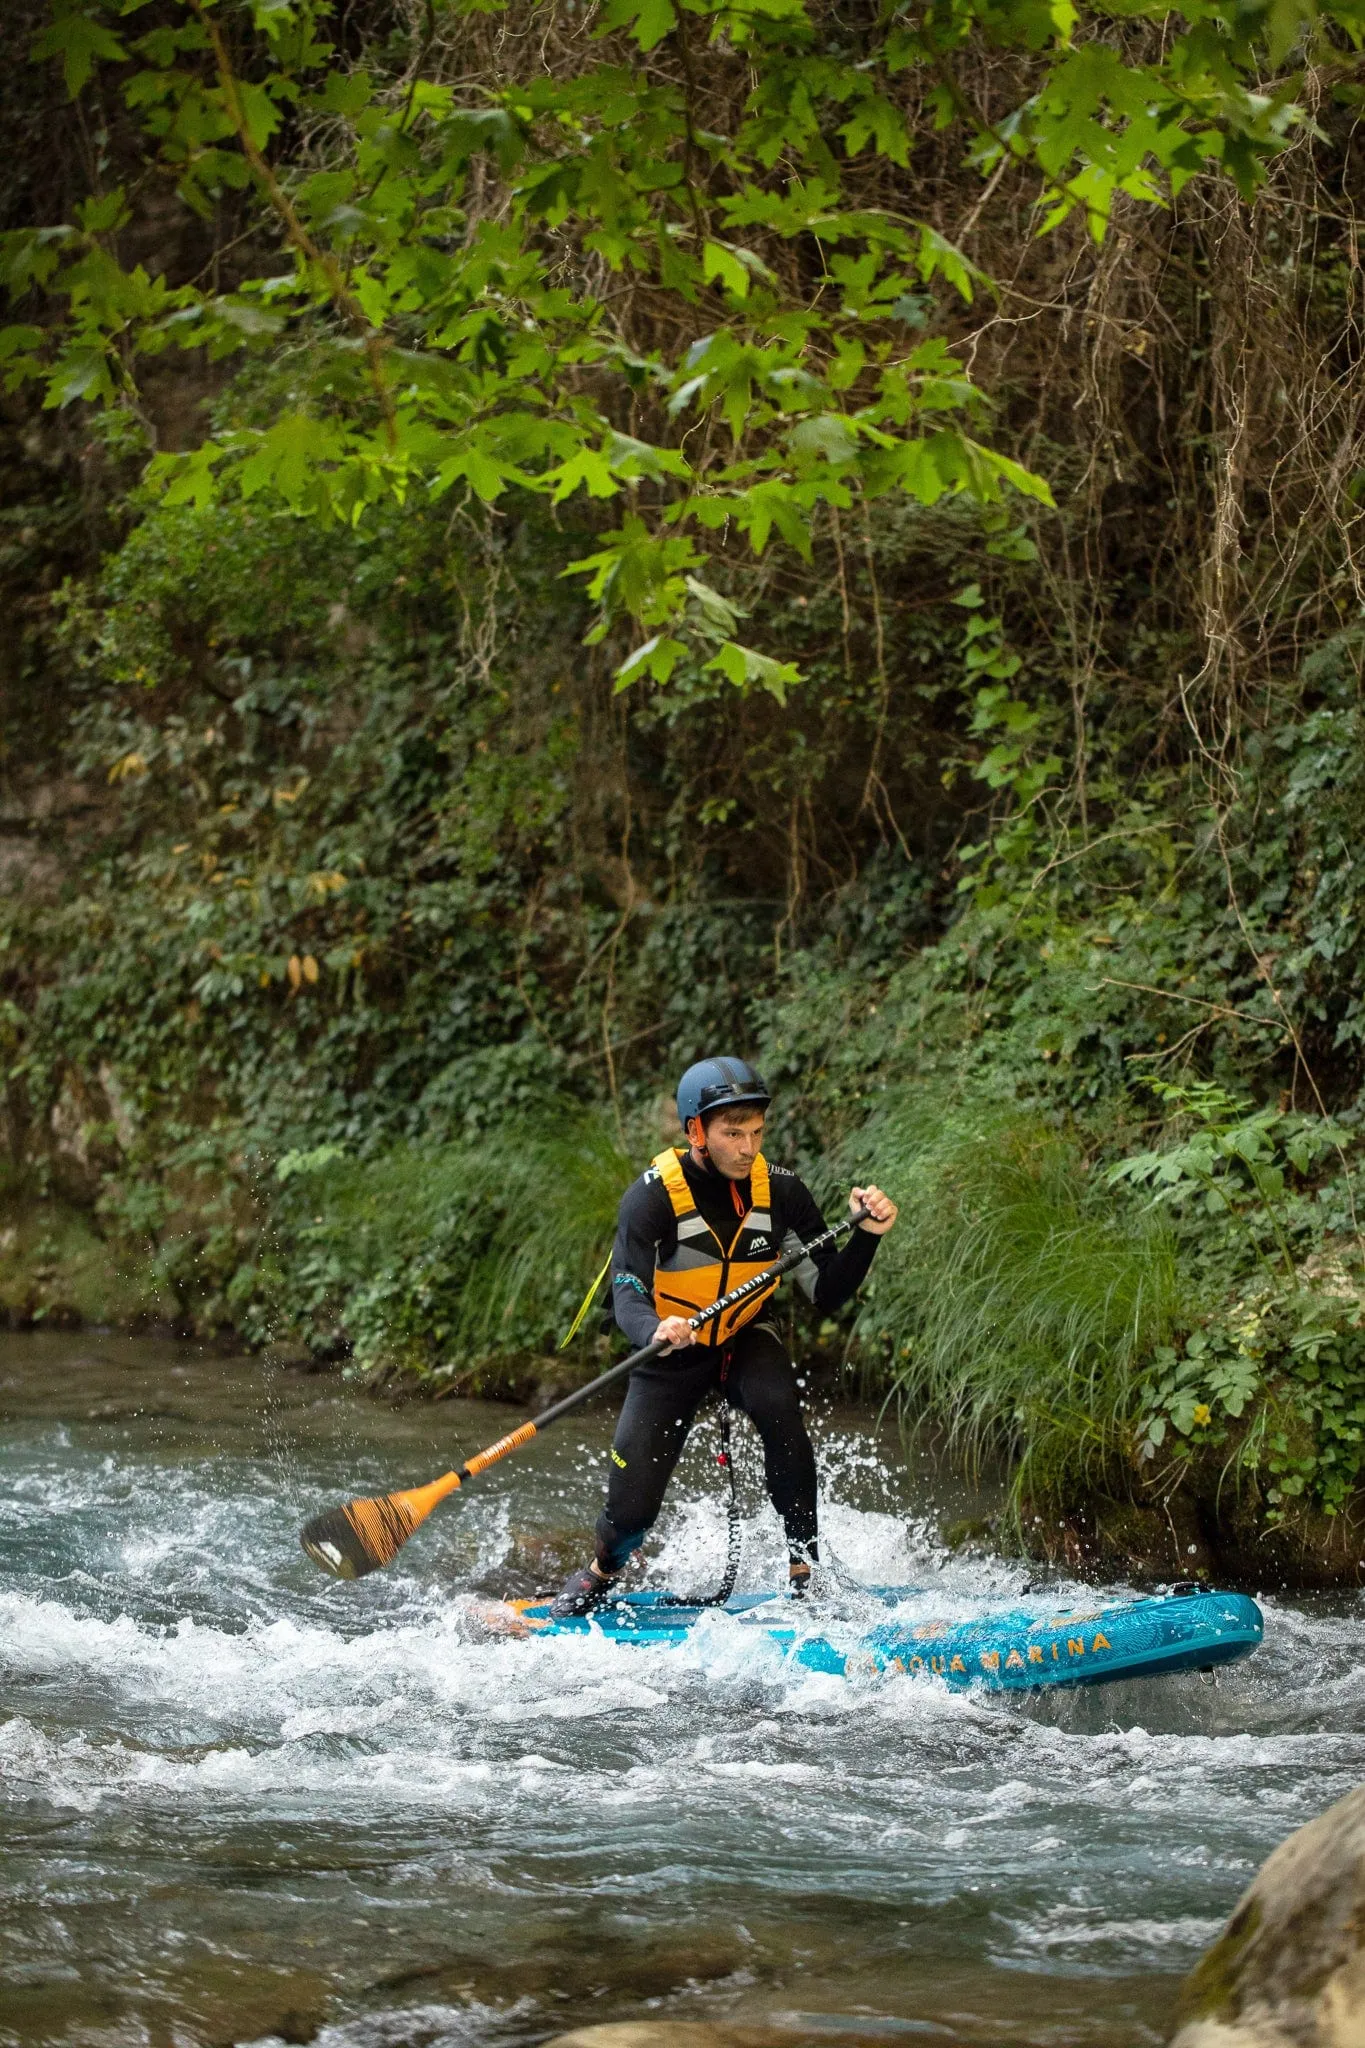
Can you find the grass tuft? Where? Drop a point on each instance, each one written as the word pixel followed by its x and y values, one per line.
pixel 449 1255
pixel 558 1194
pixel 1021 1299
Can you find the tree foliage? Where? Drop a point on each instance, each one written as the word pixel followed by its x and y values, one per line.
pixel 648 272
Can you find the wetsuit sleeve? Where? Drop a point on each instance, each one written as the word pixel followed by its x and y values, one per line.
pixel 832 1276
pixel 645 1217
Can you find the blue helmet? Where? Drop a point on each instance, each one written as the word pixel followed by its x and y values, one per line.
pixel 720 1084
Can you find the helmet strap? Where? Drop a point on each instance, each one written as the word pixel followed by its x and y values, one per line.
pixel 699 1147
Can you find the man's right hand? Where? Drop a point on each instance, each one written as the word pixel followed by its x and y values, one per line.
pixel 675 1332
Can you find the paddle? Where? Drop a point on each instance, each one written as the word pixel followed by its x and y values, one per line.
pixel 364 1534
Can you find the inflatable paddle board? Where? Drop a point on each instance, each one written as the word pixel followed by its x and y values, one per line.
pixel 1013 1650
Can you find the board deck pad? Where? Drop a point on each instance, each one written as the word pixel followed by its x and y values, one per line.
pixel 1013 1649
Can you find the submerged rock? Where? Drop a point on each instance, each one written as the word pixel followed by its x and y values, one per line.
pixel 680 2034
pixel 1288 1970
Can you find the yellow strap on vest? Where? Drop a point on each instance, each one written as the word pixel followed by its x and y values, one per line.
pixel 588 1300
pixel 668 1166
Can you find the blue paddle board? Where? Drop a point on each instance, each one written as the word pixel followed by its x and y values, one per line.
pixel 1012 1650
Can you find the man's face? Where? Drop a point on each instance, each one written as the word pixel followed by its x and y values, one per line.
pixel 734 1137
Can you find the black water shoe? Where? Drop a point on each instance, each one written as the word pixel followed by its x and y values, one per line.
pixel 798 1578
pixel 580 1593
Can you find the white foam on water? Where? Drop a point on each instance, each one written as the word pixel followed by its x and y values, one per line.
pixel 1071 1929
pixel 411 1676
pixel 81 1773
pixel 877 1547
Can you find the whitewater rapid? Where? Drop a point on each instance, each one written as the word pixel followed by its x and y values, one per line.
pixel 221 1772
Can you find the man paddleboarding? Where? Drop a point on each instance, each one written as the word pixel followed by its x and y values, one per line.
pixel 696 1223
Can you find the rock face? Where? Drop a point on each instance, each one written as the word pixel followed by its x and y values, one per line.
pixel 1288 1970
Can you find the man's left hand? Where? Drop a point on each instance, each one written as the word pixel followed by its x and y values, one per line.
pixel 882 1210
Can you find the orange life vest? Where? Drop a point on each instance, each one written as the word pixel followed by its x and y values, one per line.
pixel 701 1268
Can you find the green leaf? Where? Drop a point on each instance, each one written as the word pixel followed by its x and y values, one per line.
pixel 346 92
pixel 98 216
pixel 826 435
pixel 631 458
pixel 472 466
pixel 747 669
pixel 876 120
pixel 79 41
pixel 586 467
pixel 247 317
pixel 18 340
pixel 290 460
pixel 274 15
pixel 187 479
pixel 718 615
pixel 773 504
pixel 79 373
pixel 638 572
pixel 259 111
pixel 657 657
pixel 719 261
pixel 649 21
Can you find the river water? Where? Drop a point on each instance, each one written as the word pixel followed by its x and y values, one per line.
pixel 244 1803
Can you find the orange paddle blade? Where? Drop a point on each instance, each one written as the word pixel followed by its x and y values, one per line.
pixel 365 1534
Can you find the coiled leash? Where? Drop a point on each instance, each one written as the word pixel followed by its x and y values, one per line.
pixel 725 1458
pixel 734 1530
pixel 734 1526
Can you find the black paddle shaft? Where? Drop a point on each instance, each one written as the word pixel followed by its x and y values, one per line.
pixel 755 1285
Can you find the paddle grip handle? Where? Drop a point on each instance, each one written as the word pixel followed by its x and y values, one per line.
pixel 503 1448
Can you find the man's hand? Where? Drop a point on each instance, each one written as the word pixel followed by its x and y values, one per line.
pixel 883 1211
pixel 674 1332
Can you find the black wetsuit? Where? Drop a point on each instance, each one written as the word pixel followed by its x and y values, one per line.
pixel 753 1370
